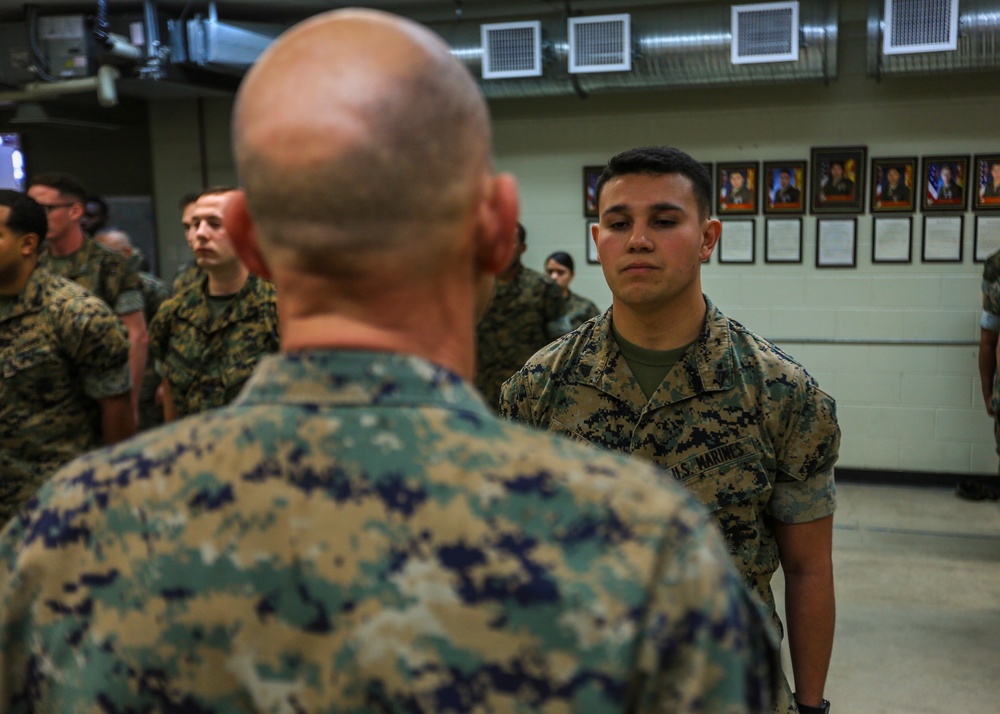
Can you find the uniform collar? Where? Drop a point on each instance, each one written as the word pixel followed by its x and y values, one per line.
pixel 359 378
pixel 707 366
pixel 243 307
pixel 32 296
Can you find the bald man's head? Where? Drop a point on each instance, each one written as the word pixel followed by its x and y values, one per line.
pixel 355 134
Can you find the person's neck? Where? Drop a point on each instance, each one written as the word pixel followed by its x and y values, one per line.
pixel 227 280
pixel 17 283
pixel 434 321
pixel 507 276
pixel 68 243
pixel 664 327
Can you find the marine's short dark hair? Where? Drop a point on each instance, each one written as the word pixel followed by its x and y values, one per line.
pixel 187 199
pixel 563 258
pixel 100 202
pixel 26 215
pixel 65 184
pixel 522 235
pixel 659 160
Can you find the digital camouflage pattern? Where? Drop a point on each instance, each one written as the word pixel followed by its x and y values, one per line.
pixel 61 349
pixel 358 533
pixel 206 360
pixel 102 271
pixel 187 277
pixel 154 293
pixel 740 423
pixel 579 309
pixel 990 320
pixel 525 315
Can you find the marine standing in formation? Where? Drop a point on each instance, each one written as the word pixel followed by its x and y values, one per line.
pixel 664 375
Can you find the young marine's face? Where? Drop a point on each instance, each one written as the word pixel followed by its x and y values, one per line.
pixel 893 176
pixel 784 179
pixel 945 175
pixel 187 223
pixel 995 171
pixel 736 181
pixel 650 239
pixel 836 171
pixel 11 250
pixel 209 239
pixel 559 272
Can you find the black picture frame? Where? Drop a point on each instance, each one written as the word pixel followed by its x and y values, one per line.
pixel 833 190
pixel 773 191
pixel 786 255
pixel 893 193
pixel 590 176
pixel 739 200
pixel 934 253
pixel 880 240
pixel 932 186
pixel 985 182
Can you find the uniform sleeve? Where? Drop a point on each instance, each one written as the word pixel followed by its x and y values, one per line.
pixel 515 399
pixel 97 344
pixel 123 286
pixel 159 336
pixel 990 319
pixel 804 488
pixel 707 645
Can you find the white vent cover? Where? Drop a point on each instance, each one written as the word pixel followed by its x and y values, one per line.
pixel 512 49
pixel 767 32
pixel 920 26
pixel 600 44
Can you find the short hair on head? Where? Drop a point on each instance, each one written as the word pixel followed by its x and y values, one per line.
pixel 187 199
pixel 215 191
pixel 26 215
pixel 837 162
pixel 785 171
pixel 65 184
pixel 563 258
pixel 396 168
pixel 657 161
pixel 100 202
pixel 522 235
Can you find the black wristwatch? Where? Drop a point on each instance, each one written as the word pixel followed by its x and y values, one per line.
pixel 823 708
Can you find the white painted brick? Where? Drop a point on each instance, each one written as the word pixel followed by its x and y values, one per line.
pixel 926 454
pixel 909 292
pixel 865 389
pixel 935 390
pixel 901 423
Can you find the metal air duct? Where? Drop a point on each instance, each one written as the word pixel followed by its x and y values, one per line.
pixel 673 47
pixel 978 43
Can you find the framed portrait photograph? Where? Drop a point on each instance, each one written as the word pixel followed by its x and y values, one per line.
pixel 892 239
pixel 894 184
pixel 944 181
pixel 784 186
pixel 987 240
pixel 736 188
pixel 736 244
pixel 591 246
pixel 590 176
pixel 838 179
pixel 836 243
pixel 986 182
pixel 783 240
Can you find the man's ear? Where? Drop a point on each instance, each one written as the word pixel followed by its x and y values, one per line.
pixel 239 226
pixel 710 235
pixel 29 244
pixel 497 232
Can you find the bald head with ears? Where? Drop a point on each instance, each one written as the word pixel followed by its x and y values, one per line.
pixel 357 137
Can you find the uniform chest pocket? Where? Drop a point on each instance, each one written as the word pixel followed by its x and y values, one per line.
pixel 20 364
pixel 180 373
pixel 726 476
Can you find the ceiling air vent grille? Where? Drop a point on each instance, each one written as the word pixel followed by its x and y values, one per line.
pixel 600 44
pixel 512 49
pixel 768 32
pixel 913 26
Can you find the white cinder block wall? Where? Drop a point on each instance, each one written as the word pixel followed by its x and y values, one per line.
pixel 896 345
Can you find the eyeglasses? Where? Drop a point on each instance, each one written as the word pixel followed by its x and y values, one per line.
pixel 48 208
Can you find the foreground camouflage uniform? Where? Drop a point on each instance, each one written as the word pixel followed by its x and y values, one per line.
pixel 990 320
pixel 188 276
pixel 154 293
pixel 102 271
pixel 207 361
pixel 526 314
pixel 743 426
pixel 358 533
pixel 60 350
pixel 579 309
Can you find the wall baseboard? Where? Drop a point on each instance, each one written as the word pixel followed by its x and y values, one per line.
pixel 909 478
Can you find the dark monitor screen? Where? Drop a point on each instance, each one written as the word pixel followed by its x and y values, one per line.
pixel 12 173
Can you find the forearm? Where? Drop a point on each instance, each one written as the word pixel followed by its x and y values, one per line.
pixel 169 410
pixel 810 611
pixel 138 346
pixel 117 422
pixel 988 341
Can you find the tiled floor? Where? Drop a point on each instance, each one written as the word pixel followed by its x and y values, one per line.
pixel 918 602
